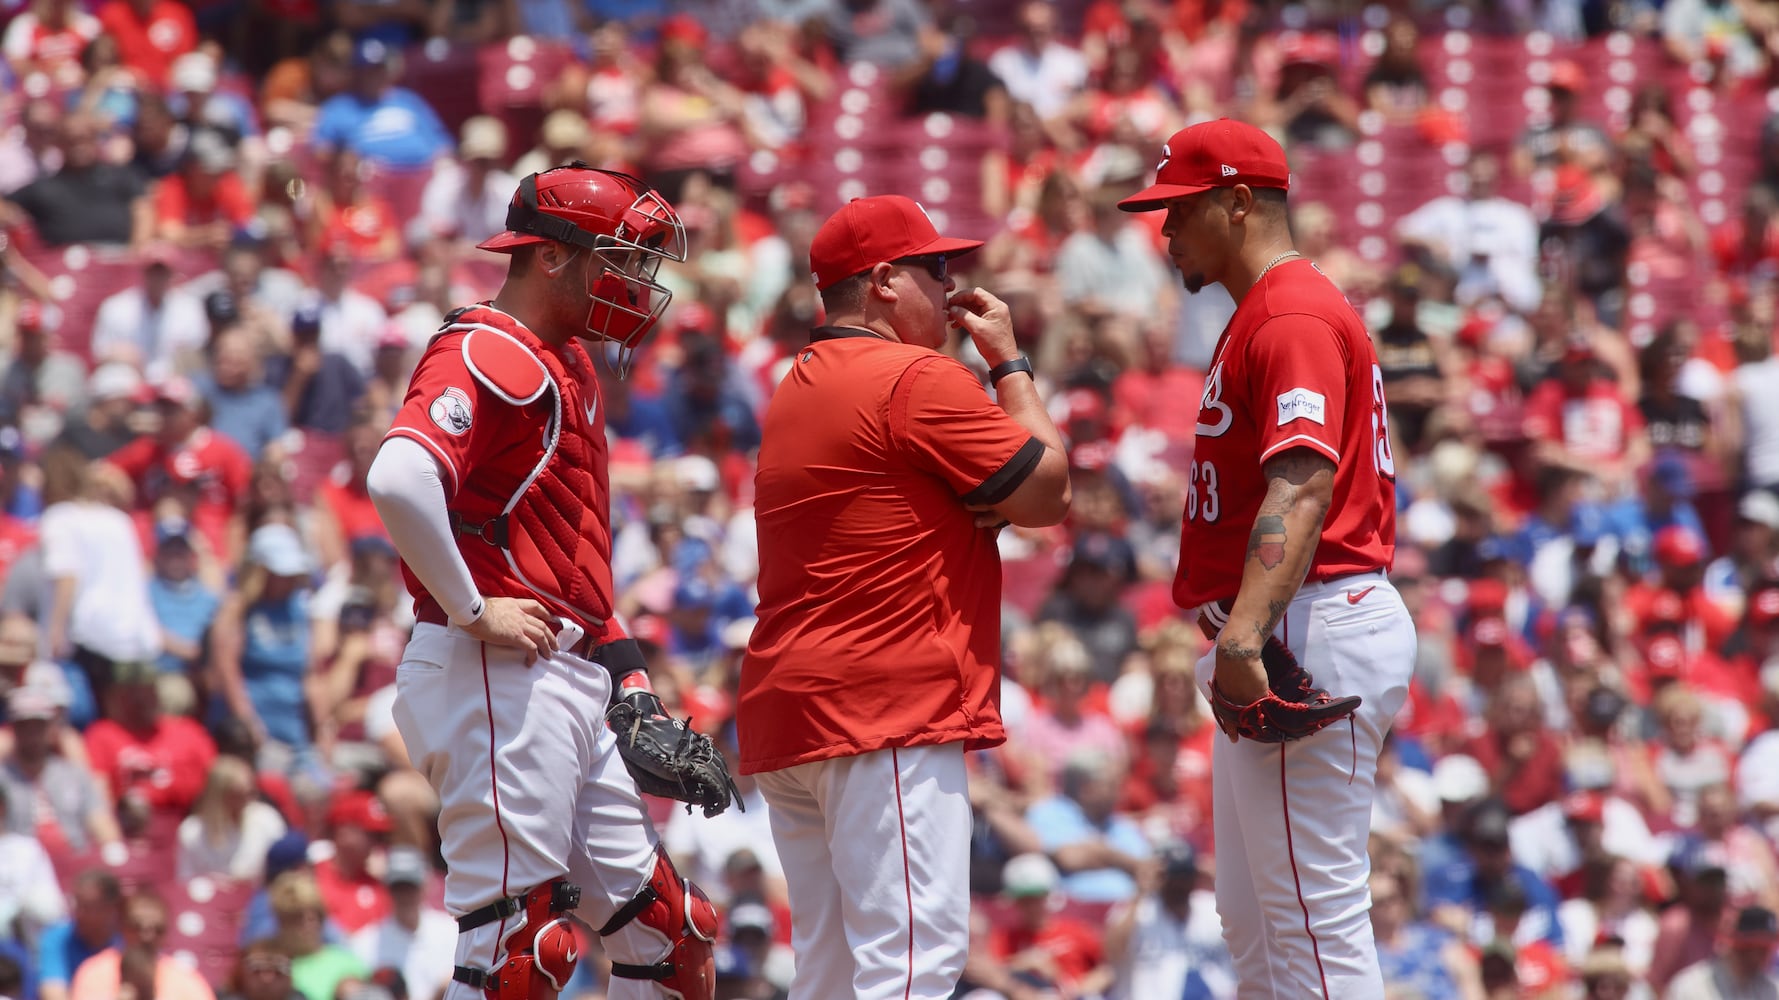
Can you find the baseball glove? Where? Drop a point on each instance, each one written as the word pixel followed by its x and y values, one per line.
pixel 667 758
pixel 1291 709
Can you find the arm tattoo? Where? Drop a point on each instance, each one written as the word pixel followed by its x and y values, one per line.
pixel 1267 541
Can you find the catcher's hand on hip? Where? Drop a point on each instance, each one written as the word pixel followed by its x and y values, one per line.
pixel 519 623
pixel 1291 708
pixel 666 757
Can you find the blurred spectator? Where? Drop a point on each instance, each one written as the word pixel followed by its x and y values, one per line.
pixel 1150 942
pixel 1101 852
pixel 1307 104
pixel 92 928
pixel 1040 69
pixel 1109 268
pixel 1590 236
pixel 186 468
pixel 1043 948
pixel 99 613
pixel 415 939
pixel 30 899
pixel 43 382
pixel 691 121
pixel 320 388
pixel 1689 930
pixel 1686 761
pixel 316 968
pixel 1750 866
pixel 47 38
pixel 1458 888
pixel 290 853
pixel 157 142
pixel 101 428
pixel 705 846
pixel 183 603
pixel 1580 420
pixel 381 123
pixel 1065 725
pixel 1538 963
pixel 708 403
pixel 1412 362
pixel 562 138
pixel 1088 601
pixel 295 88
pixel 1523 759
pixel 466 199
pixel 1712 32
pixel 260 651
pixel 49 797
pixel 350 321
pixel 242 406
pixel 1733 580
pixel 353 897
pixel 883 33
pixel 86 200
pixel 103 976
pixel 352 221
pixel 206 202
pixel 1396 86
pixel 262 972
pixel 1740 967
pixel 949 78
pixel 229 830
pixel 150 34
pixel 1611 906
pixel 1417 957
pixel 1562 136
pixel 154 763
pixel 152 323
pixel 193 98
pixel 1757 372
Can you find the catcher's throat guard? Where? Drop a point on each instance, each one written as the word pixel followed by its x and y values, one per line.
pixel 670 908
pixel 541 953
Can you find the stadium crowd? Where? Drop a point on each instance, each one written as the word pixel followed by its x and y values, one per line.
pixel 226 227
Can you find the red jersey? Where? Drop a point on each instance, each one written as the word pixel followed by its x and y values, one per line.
pixel 354 903
pixel 210 472
pixel 1595 424
pixel 470 427
pixel 1072 946
pixel 150 44
pixel 1293 369
pixel 228 201
pixel 29 43
pixel 167 767
pixel 880 599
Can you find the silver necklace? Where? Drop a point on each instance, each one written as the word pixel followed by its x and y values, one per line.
pixel 1275 262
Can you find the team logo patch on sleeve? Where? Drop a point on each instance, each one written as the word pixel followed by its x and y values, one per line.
pixel 451 411
pixel 1301 404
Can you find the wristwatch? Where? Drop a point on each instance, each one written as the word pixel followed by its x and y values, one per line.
pixel 1006 368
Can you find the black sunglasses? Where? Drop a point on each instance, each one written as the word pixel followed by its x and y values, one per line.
pixel 934 264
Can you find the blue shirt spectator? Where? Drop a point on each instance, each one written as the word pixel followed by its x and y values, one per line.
pixel 388 125
pixel 249 412
pixel 182 604
pixel 1083 815
pixel 12 951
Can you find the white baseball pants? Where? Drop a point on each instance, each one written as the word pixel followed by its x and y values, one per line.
pixel 530 786
pixel 876 854
pixel 1292 820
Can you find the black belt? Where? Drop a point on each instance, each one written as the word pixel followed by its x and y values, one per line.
pixel 589 648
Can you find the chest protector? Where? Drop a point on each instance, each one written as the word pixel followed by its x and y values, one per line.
pixel 554 531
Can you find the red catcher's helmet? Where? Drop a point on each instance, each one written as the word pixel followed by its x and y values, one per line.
pixel 627 227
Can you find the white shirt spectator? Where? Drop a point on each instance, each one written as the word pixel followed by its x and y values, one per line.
pixel 1164 951
pixel 97 545
pixel 1461 231
pixel 1712 980
pixel 29 893
pixel 1122 276
pixel 128 327
pixel 240 855
pixel 1046 80
pixel 1581 928
pixel 1541 839
pixel 350 326
pixel 425 956
pixel 448 207
pixel 703 846
pixel 1757 778
pixel 1758 383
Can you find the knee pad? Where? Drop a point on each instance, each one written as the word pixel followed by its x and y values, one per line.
pixel 679 912
pixel 541 951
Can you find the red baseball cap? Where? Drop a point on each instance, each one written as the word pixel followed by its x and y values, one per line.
pixel 1209 155
pixel 361 809
pixel 869 231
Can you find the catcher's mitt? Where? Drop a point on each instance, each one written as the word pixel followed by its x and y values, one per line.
pixel 667 758
pixel 1292 708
